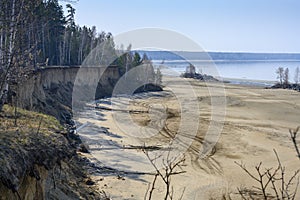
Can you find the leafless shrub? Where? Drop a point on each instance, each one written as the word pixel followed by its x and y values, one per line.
pixel 169 169
pixel 272 183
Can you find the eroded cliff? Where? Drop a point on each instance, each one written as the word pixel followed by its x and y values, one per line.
pixel 37 159
pixel 37 156
pixel 50 90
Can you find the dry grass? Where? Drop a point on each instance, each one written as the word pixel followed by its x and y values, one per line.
pixel 39 142
pixel 27 121
pixel 35 139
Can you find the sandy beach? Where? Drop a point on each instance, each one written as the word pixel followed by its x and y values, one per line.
pixel 256 121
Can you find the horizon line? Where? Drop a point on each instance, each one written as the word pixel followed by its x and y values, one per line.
pixel 250 52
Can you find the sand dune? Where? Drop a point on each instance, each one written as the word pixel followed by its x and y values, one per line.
pixel 256 122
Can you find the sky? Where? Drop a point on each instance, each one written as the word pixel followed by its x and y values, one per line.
pixel 216 25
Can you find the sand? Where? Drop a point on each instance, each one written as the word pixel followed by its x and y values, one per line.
pixel 256 122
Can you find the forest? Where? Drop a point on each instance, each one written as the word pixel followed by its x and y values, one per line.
pixel 37 33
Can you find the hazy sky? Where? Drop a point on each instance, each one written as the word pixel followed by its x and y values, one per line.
pixel 216 25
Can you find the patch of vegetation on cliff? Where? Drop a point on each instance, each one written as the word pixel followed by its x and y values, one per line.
pixel 27 121
pixel 35 153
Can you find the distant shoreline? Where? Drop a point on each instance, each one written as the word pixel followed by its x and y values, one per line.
pixel 238 72
pixel 249 82
pixel 186 55
pixel 229 61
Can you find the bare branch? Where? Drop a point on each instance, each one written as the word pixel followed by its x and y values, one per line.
pixel 268 180
pixel 182 193
pixel 293 135
pixel 166 173
pixel 245 169
pixel 153 186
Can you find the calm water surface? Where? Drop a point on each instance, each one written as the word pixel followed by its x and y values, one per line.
pixel 247 70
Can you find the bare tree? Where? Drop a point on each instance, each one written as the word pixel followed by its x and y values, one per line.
pixel 280 74
pixel 158 77
pixel 286 76
pixel 191 69
pixel 82 43
pixel 10 32
pixel 169 169
pixel 272 182
pixel 297 75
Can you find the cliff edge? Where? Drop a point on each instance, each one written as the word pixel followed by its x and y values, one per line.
pixel 37 160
